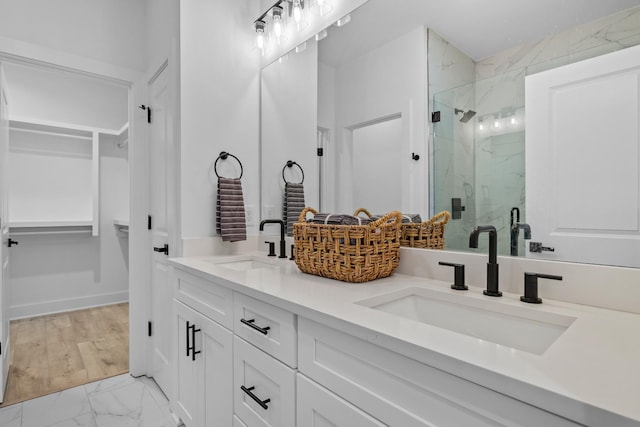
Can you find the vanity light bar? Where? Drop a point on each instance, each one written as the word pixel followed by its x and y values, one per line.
pixel 273 24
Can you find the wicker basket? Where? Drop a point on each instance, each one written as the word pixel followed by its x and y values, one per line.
pixel 427 234
pixel 351 253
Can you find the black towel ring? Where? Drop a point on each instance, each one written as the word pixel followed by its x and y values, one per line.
pixel 223 155
pixel 290 165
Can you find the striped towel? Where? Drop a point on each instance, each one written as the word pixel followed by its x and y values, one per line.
pixel 406 218
pixel 230 219
pixel 293 204
pixel 339 219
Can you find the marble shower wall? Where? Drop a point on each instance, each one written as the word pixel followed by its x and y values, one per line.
pixel 492 159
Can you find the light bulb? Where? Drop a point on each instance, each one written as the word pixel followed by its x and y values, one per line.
pixel 480 124
pixel 343 21
pixel 513 120
pixel 277 22
pixel 496 122
pixel 260 35
pixel 297 11
pixel 321 35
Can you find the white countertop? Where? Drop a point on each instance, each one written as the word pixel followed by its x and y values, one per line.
pixel 590 373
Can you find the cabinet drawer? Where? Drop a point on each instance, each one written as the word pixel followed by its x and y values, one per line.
pixel 212 300
pixel 317 406
pixel 400 391
pixel 269 381
pixel 269 328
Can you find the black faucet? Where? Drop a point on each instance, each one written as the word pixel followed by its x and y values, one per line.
pixel 283 249
pixel 516 225
pixel 492 265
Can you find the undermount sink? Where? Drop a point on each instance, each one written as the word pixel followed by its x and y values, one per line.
pixel 517 327
pixel 245 263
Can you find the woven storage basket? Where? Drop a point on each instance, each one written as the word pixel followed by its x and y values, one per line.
pixel 351 253
pixel 427 234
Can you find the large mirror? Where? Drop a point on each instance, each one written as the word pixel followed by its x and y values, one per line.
pixel 366 93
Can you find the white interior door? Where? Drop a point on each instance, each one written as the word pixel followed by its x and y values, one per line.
pixel 582 160
pixel 161 296
pixel 4 231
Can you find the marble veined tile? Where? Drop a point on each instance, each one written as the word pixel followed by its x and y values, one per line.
pixel 56 407
pixel 131 405
pixel 86 420
pixel 109 384
pixel 11 416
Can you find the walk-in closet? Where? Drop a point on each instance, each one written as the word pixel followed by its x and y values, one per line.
pixel 66 296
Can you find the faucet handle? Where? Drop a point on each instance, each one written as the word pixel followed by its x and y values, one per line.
pixel 458 274
pixel 531 286
pixel 272 248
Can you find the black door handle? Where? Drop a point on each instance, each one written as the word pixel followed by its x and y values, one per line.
pixel 11 243
pixel 187 334
pixel 162 250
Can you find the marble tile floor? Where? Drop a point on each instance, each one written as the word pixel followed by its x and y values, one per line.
pixel 114 402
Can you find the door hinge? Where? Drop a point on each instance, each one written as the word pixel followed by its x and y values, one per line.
pixel 320 152
pixel 148 222
pixel 149 328
pixel 435 116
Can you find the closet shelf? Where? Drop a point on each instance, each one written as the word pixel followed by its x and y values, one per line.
pixel 41 224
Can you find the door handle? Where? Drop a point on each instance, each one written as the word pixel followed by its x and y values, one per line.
pixel 187 334
pixel 537 247
pixel 11 243
pixel 162 250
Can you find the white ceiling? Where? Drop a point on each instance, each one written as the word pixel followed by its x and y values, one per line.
pixel 480 28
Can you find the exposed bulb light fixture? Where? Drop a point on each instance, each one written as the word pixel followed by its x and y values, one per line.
pixel 480 124
pixel 297 11
pixel 259 26
pixel 277 22
pixel 496 122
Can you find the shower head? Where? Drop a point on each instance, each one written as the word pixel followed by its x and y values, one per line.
pixel 465 116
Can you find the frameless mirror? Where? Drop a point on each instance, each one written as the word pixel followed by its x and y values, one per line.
pixel 373 80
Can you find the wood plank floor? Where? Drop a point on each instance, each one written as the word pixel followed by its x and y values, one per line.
pixel 59 351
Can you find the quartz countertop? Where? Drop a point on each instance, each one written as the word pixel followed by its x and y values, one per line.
pixel 590 374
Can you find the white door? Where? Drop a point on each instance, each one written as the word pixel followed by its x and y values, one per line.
pixel 582 160
pixel 159 145
pixel 4 231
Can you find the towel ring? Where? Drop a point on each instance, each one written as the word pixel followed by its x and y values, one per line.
pixel 290 165
pixel 223 155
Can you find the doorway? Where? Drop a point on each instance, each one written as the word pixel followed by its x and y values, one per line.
pixel 68 206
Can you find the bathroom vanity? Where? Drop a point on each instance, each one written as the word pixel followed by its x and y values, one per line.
pixel 258 343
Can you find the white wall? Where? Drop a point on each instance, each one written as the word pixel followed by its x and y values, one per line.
pixel 108 31
pixel 219 84
pixel 58 272
pixel 38 94
pixel 163 21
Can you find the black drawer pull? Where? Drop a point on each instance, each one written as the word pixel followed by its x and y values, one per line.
pixel 193 342
pixel 187 334
pixel 250 323
pixel 262 403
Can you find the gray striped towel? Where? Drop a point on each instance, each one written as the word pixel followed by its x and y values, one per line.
pixel 230 218
pixel 293 204
pixel 339 219
pixel 406 218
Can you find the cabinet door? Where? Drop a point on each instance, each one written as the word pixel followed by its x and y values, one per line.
pixel 203 376
pixel 216 342
pixel 318 407
pixel 186 370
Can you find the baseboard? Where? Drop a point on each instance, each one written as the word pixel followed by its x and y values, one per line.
pixel 67 304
